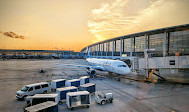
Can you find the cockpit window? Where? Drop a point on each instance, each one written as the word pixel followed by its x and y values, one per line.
pixel 122 65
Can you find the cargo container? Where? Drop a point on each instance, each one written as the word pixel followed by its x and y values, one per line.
pixel 73 82
pixel 76 99
pixel 84 80
pixel 58 83
pixel 48 106
pixel 62 91
pixel 40 98
pixel 90 87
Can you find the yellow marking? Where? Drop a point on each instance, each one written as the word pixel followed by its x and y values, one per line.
pixel 151 74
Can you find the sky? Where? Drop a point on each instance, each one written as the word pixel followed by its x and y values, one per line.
pixel 74 24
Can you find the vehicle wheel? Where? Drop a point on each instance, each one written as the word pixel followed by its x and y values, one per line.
pixel 24 97
pixel 60 103
pixel 44 92
pixel 87 106
pixel 102 102
pixel 72 108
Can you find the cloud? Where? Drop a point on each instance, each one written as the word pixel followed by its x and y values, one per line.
pixel 12 35
pixel 123 17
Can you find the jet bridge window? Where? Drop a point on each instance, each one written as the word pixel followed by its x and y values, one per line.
pixel 122 66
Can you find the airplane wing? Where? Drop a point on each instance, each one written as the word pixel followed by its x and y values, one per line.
pixel 84 66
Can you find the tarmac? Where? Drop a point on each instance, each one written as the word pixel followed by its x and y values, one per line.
pixel 129 95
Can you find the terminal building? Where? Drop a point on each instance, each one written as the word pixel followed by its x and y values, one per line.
pixel 170 53
pixel 166 42
pixel 41 54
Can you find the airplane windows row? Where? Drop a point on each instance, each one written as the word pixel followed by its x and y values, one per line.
pixel 122 65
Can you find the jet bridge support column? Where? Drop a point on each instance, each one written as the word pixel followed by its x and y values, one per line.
pixel 145 46
pixel 131 52
pixel 164 44
pixel 106 49
pixel 121 42
pixel 112 49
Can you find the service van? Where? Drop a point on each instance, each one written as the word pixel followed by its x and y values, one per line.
pixel 33 89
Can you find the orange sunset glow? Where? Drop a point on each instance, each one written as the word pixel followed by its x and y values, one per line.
pixel 74 24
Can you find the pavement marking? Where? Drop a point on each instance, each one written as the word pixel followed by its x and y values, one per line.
pixel 120 91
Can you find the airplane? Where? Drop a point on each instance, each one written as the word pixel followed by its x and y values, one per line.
pixel 108 65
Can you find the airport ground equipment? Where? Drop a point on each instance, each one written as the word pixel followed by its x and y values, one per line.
pixel 62 91
pixel 73 82
pixel 58 83
pixel 33 89
pixel 90 87
pixel 40 98
pixel 102 98
pixel 42 71
pixel 84 80
pixel 77 99
pixel 48 106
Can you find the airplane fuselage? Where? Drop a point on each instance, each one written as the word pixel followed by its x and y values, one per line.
pixel 114 66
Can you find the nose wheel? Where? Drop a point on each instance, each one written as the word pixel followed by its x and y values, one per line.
pixel 110 73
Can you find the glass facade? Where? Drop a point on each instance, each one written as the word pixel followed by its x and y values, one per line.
pixel 127 46
pixel 104 54
pixel 156 42
pixel 110 48
pixel 140 44
pixel 179 43
pixel 99 52
pixel 165 43
pixel 94 50
pixel 117 48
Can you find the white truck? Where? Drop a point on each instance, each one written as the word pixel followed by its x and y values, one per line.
pixel 102 98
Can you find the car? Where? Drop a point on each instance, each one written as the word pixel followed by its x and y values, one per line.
pixel 33 89
pixel 102 98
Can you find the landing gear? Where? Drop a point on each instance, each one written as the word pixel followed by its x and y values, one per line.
pixel 110 73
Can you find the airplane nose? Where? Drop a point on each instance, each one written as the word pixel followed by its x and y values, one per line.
pixel 127 71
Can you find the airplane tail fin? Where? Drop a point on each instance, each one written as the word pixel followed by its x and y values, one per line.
pixel 88 53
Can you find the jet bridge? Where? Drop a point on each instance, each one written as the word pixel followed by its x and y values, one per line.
pixel 171 62
pixel 171 68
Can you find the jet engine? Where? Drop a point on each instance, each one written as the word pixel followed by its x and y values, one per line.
pixel 91 71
